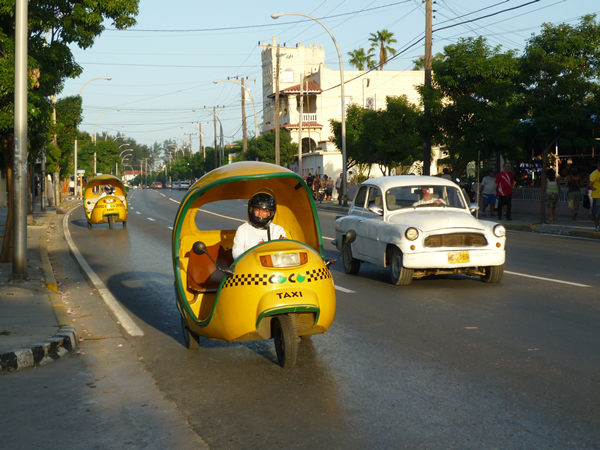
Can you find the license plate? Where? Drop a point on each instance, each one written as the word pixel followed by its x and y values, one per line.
pixel 458 257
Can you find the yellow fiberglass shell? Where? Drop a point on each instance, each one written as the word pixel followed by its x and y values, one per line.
pixel 296 213
pixel 98 207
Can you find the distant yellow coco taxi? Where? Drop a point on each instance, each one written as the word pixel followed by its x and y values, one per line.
pixel 105 201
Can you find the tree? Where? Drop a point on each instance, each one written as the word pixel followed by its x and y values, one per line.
pixel 419 64
pixel 558 86
pixel 360 59
pixel 262 148
pixel 385 137
pixel 382 40
pixel 52 27
pixel 472 101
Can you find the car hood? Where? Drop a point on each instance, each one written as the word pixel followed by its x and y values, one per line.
pixel 437 218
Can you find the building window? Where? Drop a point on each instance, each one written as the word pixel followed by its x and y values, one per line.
pixel 370 103
pixel 288 76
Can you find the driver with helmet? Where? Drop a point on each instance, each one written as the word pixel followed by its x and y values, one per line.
pixel 260 227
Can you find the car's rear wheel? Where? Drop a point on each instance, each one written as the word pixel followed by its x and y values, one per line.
pixel 400 275
pixel 351 264
pixel 111 222
pixel 493 274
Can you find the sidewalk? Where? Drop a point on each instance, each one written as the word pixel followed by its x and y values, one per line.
pixel 35 327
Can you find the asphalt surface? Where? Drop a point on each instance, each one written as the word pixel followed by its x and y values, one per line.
pixel 38 314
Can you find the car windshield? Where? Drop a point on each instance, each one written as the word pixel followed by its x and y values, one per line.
pixel 403 197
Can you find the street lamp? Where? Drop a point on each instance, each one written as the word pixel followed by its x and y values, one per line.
pixel 116 126
pixel 250 94
pixel 344 199
pixel 75 148
pixel 95 127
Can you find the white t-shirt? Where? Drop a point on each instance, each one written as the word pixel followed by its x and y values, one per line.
pixel 488 184
pixel 247 237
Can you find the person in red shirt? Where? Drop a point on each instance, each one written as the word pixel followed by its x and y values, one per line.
pixel 505 184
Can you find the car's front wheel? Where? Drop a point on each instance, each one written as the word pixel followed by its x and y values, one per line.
pixel 351 264
pixel 493 274
pixel 400 275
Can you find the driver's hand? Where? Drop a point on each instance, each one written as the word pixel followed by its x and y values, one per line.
pixel 282 237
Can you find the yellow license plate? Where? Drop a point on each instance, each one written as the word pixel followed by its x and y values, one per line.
pixel 458 257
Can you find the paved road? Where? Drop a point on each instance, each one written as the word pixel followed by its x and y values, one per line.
pixel 445 362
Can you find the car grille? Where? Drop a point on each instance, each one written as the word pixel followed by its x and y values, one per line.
pixel 456 240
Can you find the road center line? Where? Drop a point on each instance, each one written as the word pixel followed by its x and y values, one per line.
pixel 113 304
pixel 150 218
pixel 547 279
pixel 175 201
pixel 341 289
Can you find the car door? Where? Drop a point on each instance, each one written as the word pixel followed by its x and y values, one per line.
pixel 367 227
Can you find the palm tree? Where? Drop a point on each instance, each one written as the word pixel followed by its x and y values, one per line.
pixel 382 39
pixel 360 59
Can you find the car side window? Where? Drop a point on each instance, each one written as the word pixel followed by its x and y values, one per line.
pixel 361 196
pixel 375 197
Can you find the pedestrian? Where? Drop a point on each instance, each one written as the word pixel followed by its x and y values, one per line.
pixel 72 186
pixel 338 186
pixel 446 174
pixel 505 184
pixel 574 182
pixel 329 190
pixel 309 180
pixel 352 188
pixel 488 190
pixel 594 186
pixel 552 192
pixel 316 187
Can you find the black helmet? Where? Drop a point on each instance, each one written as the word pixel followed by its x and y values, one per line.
pixel 264 201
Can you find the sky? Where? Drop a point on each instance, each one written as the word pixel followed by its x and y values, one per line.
pixel 164 67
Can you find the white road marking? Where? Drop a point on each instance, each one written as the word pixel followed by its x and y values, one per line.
pixel 170 228
pixel 137 212
pixel 150 218
pixel 175 201
pixel 347 291
pixel 221 215
pixel 126 322
pixel 546 279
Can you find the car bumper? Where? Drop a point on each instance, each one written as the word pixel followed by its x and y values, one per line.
pixel 453 258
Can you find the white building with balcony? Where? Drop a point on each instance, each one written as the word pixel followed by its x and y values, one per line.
pixel 322 99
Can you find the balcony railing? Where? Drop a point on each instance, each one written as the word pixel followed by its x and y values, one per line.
pixel 310 117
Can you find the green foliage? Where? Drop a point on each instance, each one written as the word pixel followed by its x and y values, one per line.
pixel 472 100
pixel 361 60
pixel 381 41
pixel 262 148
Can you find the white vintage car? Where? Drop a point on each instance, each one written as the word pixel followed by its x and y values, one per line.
pixel 419 226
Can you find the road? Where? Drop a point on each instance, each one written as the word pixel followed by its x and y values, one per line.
pixel 445 362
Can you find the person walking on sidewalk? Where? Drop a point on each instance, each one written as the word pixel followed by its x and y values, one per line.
pixel 594 186
pixel 552 193
pixel 573 182
pixel 505 184
pixel 488 190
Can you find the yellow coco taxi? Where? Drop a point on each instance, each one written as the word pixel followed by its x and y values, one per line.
pixel 280 289
pixel 105 201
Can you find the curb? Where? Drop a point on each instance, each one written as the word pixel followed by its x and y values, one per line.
pixel 59 345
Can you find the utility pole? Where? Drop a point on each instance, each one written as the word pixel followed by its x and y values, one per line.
pixel 244 131
pixel 301 111
pixel 215 120
pixel 427 108
pixel 276 120
pixel 19 256
pixel 190 135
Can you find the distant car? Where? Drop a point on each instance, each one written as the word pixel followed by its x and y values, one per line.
pixel 419 226
pixel 184 185
pixel 157 185
pixel 168 185
pixel 175 185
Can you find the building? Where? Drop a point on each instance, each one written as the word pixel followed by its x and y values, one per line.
pixel 303 69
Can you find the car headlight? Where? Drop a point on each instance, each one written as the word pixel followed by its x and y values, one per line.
pixel 280 260
pixel 411 234
pixel 109 200
pixel 499 230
